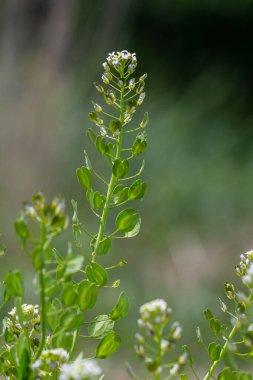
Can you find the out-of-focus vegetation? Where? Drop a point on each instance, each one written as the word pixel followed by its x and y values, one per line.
pixel 199 59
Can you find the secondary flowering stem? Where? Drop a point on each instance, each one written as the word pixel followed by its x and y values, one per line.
pixel 223 351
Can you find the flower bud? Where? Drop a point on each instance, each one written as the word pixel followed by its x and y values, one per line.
pixel 97 107
pixel 141 98
pixel 106 66
pixel 130 69
pixel 131 84
pixel 98 87
pixel 106 77
pixel 110 97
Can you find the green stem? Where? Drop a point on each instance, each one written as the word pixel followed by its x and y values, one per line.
pixel 112 182
pixel 224 349
pixel 74 343
pixel 42 294
pixel 159 355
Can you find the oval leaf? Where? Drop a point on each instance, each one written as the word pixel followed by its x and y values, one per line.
pixel 103 247
pixel 127 220
pixel 84 177
pixel 120 168
pixel 100 326
pixel 120 310
pixel 109 344
pixel 87 295
pixel 14 283
pixel 96 273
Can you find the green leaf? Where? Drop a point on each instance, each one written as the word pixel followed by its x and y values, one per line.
pixel 120 168
pixel 127 220
pixel 100 326
pixel 22 231
pixel 137 189
pixel 14 283
pixel 87 295
pixel 93 116
pixel 71 320
pixel 96 199
pixel 102 145
pixel 115 127
pixel 91 135
pixel 120 194
pixel 214 351
pixel 244 376
pixel 227 374
pixel 23 357
pixel 62 339
pixel 97 274
pixel 109 344
pixel 103 247
pixel 184 377
pixel 215 325
pixel 53 312
pixel 69 294
pixel 140 144
pixel 121 308
pixel 134 231
pixel 87 160
pixel 208 314
pixel 8 335
pixel 38 258
pixel 84 177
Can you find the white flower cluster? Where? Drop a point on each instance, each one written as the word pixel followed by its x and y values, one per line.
pixel 245 268
pixel 154 313
pixel 80 369
pixel 50 361
pixel 121 59
pixel 31 319
pixel 247 279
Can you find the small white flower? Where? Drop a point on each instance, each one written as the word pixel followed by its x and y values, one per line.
pixel 106 66
pixel 131 84
pixel 164 344
pixel 13 312
pixel 80 369
pixel 183 358
pixel 141 98
pixel 174 369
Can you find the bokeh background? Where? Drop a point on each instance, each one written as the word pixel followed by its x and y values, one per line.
pixel 198 212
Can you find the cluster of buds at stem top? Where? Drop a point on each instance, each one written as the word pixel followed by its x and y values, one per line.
pixel 154 318
pixel 245 268
pixel 154 315
pixel 119 61
pixel 81 369
pixel 13 326
pixel 49 363
pixel 118 68
pixel 54 364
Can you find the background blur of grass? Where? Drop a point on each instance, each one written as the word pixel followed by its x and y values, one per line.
pixel 198 212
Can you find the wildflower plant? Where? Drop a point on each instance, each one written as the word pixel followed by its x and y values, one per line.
pixel 39 341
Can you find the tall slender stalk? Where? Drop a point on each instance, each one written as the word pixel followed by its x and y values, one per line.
pixel 42 293
pixel 113 179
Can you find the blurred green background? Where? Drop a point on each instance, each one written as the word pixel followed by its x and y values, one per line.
pixel 198 211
